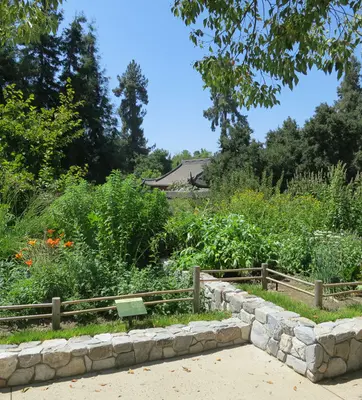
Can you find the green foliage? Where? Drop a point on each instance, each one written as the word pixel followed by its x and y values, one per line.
pixel 32 139
pixel 337 258
pixel 23 21
pixel 153 165
pixel 132 88
pixel 254 48
pixel 222 242
pixel 303 309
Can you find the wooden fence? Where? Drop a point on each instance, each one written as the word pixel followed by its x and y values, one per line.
pixel 266 274
pixel 56 313
pixel 56 305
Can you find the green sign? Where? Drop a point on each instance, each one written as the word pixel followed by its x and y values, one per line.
pixel 130 307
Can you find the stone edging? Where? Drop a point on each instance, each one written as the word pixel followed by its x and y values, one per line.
pixel 58 358
pixel 316 351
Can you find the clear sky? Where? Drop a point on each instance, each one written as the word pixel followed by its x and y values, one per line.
pixel 146 30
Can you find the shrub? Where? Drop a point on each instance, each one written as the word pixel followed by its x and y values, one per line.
pixel 224 242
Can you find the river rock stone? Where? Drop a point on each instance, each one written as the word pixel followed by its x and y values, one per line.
pixel 281 356
pixel 78 349
pixel 298 365
pixel 305 334
pixel 343 332
pixel 342 350
pixel 259 336
pixel 142 347
pixel 298 349
pixel 75 367
pixel 54 343
pixel 28 345
pixel 8 362
pixel 44 372
pixel 261 313
pixel 88 363
pixel 106 363
pixel 250 305
pixel 225 335
pixel 100 351
pixel 236 302
pixel 314 357
pixel 125 359
pixel 272 347
pixel 121 344
pixel 196 348
pixel 30 356
pixel 355 356
pixel 336 367
pixel 274 324
pixel 56 357
pixel 285 343
pixel 168 352
pixel 246 317
pixel 182 342
pixel 210 345
pixel 21 376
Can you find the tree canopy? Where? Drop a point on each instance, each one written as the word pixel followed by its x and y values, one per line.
pixel 254 47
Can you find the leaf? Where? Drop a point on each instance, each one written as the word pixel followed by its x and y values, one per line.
pixel 97 390
pixel 131 372
pixel 186 369
pixel 218 359
pixel 147 369
pixel 74 380
pixel 295 388
pixel 25 389
pixel 102 384
pixel 172 370
pixel 270 382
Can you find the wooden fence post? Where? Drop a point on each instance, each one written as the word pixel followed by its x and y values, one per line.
pixel 318 294
pixel 264 274
pixel 56 313
pixel 196 302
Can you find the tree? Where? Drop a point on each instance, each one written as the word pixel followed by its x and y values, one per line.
pixel 32 139
pixel 23 21
pixel 39 65
pixel 223 112
pixel 237 151
pixel 178 157
pixel 283 150
pixel 81 64
pixel 132 89
pixel 9 73
pixel 202 153
pixel 154 164
pixel 255 47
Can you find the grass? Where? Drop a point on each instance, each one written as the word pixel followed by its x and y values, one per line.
pixel 314 314
pixel 28 335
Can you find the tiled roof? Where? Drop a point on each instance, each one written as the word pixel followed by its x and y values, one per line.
pixel 180 174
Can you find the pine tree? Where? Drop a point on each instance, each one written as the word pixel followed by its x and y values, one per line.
pixel 82 65
pixel 39 65
pixel 132 88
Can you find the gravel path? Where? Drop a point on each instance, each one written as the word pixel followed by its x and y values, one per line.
pixel 231 374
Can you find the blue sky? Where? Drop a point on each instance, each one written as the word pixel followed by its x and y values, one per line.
pixel 146 30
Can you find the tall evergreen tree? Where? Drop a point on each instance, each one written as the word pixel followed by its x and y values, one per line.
pixel 132 88
pixel 39 64
pixel 283 149
pixel 9 73
pixel 81 65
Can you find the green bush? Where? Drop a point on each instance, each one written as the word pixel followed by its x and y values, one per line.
pixel 224 242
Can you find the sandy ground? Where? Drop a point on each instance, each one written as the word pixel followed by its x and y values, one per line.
pixel 234 373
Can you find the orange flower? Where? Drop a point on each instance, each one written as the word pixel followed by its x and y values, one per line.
pixel 29 263
pixel 18 256
pixel 52 242
pixel 68 244
pixel 32 242
pixel 50 231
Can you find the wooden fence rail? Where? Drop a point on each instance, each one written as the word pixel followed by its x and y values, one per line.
pixel 57 304
pixel 265 272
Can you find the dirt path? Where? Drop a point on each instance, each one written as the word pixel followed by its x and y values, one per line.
pixel 230 374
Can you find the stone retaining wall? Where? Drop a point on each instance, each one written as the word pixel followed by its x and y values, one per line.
pixel 316 351
pixel 36 361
